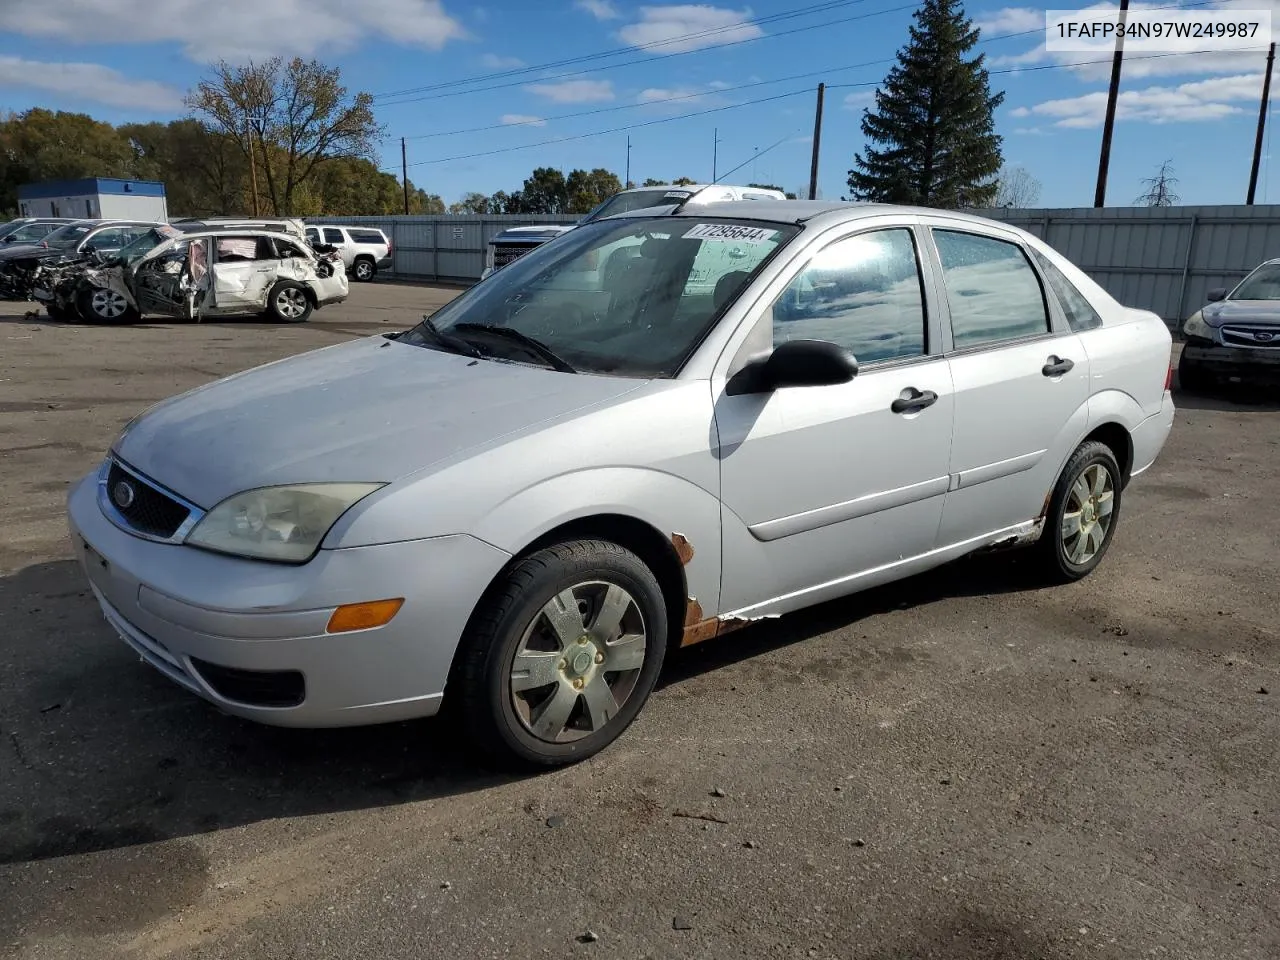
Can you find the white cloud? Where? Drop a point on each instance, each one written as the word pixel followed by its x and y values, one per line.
pixel 1200 100
pixel 719 85
pixel 89 81
pixel 600 9
pixel 856 101
pixel 241 29
pixel 522 120
pixel 574 91
pixel 497 62
pixel 1010 20
pixel 689 27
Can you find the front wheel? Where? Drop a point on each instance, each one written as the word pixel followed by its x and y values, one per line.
pixel 1082 516
pixel 288 302
pixel 103 305
pixel 562 654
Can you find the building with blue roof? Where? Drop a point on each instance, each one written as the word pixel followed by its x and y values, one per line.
pixel 94 198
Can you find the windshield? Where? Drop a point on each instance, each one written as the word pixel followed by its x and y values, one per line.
pixel 131 253
pixel 630 297
pixel 1262 284
pixel 67 236
pixel 639 200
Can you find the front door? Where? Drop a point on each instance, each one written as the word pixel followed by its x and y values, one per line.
pixel 170 282
pixel 1021 380
pixel 823 484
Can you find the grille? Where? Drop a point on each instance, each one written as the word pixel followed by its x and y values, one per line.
pixel 502 255
pixel 150 511
pixel 1251 336
pixel 255 688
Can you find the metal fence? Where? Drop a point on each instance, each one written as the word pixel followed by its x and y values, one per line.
pixel 1161 259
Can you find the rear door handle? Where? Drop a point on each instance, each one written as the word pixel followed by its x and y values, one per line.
pixel 915 402
pixel 1056 367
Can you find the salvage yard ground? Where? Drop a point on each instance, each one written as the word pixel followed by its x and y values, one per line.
pixel 958 766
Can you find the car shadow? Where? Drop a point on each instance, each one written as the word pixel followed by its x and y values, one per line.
pixel 102 753
pixel 1230 398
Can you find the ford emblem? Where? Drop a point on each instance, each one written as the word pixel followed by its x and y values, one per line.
pixel 123 494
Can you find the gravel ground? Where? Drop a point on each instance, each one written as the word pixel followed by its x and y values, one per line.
pixel 957 766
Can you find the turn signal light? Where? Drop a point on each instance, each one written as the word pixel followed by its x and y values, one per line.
pixel 364 616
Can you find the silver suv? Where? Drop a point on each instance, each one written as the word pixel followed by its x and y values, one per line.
pixel 365 250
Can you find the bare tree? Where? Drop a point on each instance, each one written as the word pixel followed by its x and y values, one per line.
pixel 290 117
pixel 1016 188
pixel 1160 188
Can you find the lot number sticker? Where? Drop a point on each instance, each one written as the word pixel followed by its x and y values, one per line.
pixel 729 232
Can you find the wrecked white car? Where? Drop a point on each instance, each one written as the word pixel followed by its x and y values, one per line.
pixel 198 274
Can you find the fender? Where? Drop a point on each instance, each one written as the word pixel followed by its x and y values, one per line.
pixel 669 504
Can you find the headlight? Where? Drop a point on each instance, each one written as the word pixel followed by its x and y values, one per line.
pixel 285 524
pixel 1196 327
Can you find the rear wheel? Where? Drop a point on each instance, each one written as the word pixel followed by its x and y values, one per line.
pixel 363 269
pixel 1082 514
pixel 288 302
pixel 562 654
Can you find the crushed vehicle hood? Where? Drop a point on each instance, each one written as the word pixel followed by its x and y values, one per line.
pixel 368 410
pixel 1241 311
pixel 21 251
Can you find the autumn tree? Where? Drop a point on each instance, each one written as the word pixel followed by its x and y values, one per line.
pixel 291 117
pixel 933 127
pixel 544 191
pixel 40 144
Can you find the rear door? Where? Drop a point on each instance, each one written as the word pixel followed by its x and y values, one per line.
pixel 1021 380
pixel 244 268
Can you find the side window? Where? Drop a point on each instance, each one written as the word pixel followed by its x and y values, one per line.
pixel 313 235
pixel 1080 313
pixel 239 249
pixel 863 293
pixel 332 235
pixel 288 249
pixel 110 239
pixel 993 293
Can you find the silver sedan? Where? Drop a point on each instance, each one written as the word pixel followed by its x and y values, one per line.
pixel 641 435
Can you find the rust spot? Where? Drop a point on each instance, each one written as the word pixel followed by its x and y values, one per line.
pixel 684 549
pixel 696 629
pixel 1044 510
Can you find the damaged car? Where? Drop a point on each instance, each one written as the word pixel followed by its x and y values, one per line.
pixel 82 241
pixel 199 274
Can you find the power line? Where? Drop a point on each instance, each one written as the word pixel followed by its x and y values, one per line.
pixel 665 56
pixel 775 97
pixel 618 51
pixel 757 155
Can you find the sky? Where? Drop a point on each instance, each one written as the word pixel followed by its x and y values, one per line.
pixel 484 92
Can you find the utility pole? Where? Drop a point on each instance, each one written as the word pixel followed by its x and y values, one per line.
pixel 817 141
pixel 1262 124
pixel 715 152
pixel 626 184
pixel 404 175
pixel 1104 158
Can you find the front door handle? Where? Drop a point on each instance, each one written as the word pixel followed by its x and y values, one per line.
pixel 1056 367
pixel 914 401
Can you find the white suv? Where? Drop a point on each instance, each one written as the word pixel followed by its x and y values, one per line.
pixel 365 250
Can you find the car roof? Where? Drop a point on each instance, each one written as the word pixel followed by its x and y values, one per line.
pixel 828 212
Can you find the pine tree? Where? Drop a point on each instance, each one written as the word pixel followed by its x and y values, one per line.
pixel 932 122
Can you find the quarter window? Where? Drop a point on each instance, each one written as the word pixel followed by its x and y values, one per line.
pixel 862 293
pixel 1080 313
pixel 992 291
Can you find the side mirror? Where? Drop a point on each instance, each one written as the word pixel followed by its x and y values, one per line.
pixel 796 363
pixel 1217 293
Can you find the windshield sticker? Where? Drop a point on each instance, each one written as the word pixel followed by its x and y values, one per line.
pixel 730 232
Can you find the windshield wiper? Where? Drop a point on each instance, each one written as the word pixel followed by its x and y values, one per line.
pixel 552 358
pixel 454 344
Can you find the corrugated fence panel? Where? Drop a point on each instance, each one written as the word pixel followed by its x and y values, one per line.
pixel 1162 259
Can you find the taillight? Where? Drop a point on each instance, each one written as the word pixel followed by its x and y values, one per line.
pixel 1168 377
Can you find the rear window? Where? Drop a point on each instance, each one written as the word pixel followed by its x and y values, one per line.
pixel 367 236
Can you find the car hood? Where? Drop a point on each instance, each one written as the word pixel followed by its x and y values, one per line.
pixel 532 234
pixel 1242 311
pixel 368 410
pixel 19 251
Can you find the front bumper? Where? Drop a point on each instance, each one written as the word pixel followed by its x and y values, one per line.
pixel 201 618
pixel 1233 363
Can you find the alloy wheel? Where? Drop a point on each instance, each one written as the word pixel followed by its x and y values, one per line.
pixel 291 302
pixel 1087 517
pixel 108 304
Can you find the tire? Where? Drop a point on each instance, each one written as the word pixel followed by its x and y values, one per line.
pixel 1192 377
pixel 289 302
pixel 515 719
pixel 101 305
pixel 363 269
pixel 1056 550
